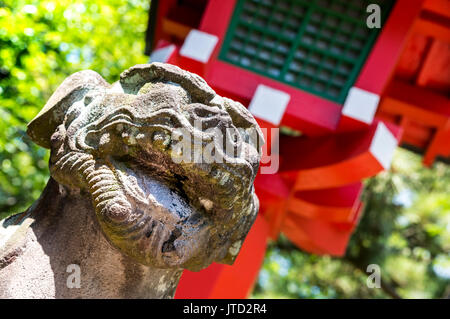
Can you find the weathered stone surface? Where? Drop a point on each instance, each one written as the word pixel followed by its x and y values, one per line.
pixel 125 202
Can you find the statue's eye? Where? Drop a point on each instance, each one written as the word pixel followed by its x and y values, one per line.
pixel 88 98
pixel 73 112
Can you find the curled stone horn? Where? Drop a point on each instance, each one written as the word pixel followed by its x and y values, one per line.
pixel 129 145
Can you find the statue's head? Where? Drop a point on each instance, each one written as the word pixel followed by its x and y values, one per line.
pixel 168 164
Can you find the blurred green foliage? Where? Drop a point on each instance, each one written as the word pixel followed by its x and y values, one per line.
pixel 41 43
pixel 405 229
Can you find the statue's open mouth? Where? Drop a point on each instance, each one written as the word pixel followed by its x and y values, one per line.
pixel 166 229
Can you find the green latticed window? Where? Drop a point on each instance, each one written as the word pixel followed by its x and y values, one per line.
pixel 318 46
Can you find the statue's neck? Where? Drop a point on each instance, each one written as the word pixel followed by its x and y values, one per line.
pixel 66 230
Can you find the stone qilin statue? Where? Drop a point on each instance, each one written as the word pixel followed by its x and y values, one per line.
pixel 123 209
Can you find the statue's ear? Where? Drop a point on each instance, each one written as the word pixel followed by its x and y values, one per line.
pixel 73 89
pixel 135 77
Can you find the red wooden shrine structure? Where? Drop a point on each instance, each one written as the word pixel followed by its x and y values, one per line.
pixel 350 93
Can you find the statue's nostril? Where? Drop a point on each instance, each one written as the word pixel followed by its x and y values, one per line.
pixel 169 245
pixel 88 100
